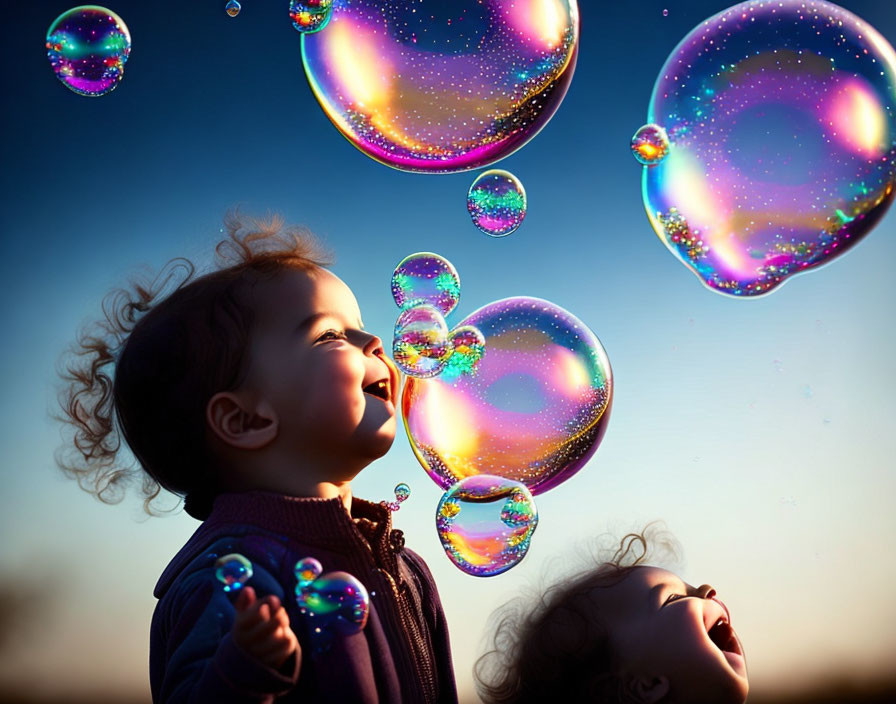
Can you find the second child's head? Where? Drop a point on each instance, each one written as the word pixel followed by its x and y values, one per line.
pixel 258 375
pixel 623 632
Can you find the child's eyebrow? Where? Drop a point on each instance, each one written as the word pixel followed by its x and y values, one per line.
pixel 313 319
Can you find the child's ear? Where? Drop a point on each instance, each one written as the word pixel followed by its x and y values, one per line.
pixel 648 690
pixel 240 424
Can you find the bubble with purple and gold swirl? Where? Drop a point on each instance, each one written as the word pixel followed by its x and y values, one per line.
pixel 88 47
pixel 535 409
pixel 782 142
pixel 424 277
pixel 420 345
pixel 497 202
pixel 434 86
pixel 309 16
pixel 486 524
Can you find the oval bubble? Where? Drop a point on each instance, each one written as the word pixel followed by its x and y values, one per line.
pixel 534 411
pixel 650 144
pixel 428 278
pixel 232 8
pixel 306 571
pixel 402 492
pixel 437 86
pixel 421 347
pixel 486 523
pixel 88 47
pixel 781 127
pixel 336 602
pixel 233 571
pixel 497 203
pixel 309 16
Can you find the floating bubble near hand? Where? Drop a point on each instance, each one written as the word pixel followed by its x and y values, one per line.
pixel 497 203
pixel 486 523
pixel 402 492
pixel 309 16
pixel 336 602
pixel 650 144
pixel 469 347
pixel 88 47
pixel 442 86
pixel 421 347
pixel 233 571
pixel 425 277
pixel 232 8
pixel 781 128
pixel 534 411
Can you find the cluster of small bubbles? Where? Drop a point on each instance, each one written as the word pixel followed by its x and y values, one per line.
pixel 333 603
pixel 426 287
pixel 486 524
pixel 468 344
pixel 497 202
pixel 425 277
pixel 650 144
pixel 420 346
pixel 442 86
pixel 402 492
pixel 309 16
pixel 232 8
pixel 233 571
pixel 782 142
pixel 535 410
pixel 88 47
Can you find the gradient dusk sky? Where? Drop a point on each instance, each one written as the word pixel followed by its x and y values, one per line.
pixel 760 431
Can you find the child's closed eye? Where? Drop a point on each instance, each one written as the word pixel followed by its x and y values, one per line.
pixel 328 335
pixel 673 597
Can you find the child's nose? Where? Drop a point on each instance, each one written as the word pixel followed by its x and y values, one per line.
pixel 373 346
pixel 705 591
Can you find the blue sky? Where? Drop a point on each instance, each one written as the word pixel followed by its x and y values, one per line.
pixel 759 430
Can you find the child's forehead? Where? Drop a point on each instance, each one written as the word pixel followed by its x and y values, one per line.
pixel 305 293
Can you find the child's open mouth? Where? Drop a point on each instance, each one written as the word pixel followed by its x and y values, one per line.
pixel 379 388
pixel 724 638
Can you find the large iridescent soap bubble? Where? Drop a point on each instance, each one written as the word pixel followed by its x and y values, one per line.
pixel 424 277
pixel 781 125
pixel 334 603
pixel 438 86
pixel 486 523
pixel 535 409
pixel 88 47
pixel 496 202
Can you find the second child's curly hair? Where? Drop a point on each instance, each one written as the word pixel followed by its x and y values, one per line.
pixel 558 649
pixel 146 371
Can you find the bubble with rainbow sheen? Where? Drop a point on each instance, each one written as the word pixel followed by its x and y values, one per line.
pixel 781 122
pixel 420 347
pixel 435 86
pixel 334 603
pixel 486 524
pixel 469 347
pixel 232 8
pixel 309 16
pixel 306 570
pixel 534 411
pixel 428 278
pixel 402 492
pixel 497 202
pixel 87 47
pixel 233 571
pixel 650 144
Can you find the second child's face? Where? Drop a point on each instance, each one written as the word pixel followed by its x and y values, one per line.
pixel 328 381
pixel 666 628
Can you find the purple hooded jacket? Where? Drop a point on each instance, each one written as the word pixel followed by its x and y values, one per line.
pixel 401 655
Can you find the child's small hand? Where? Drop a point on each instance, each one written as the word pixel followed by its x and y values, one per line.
pixel 262 629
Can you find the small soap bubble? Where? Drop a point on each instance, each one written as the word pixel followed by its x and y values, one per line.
pixel 335 603
pixel 497 202
pixel 442 86
pixel 650 144
pixel 665 12
pixel 782 153
pixel 402 492
pixel 486 523
pixel 306 571
pixel 310 16
pixel 534 411
pixel 232 8
pixel 425 277
pixel 88 47
pixel 421 347
pixel 469 347
pixel 233 571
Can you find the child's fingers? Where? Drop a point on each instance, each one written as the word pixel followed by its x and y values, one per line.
pixel 262 631
pixel 245 599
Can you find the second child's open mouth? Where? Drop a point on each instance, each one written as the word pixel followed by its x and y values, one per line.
pixel 722 635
